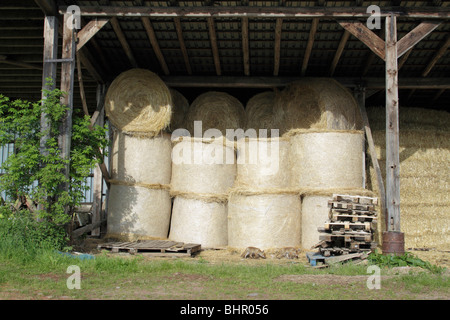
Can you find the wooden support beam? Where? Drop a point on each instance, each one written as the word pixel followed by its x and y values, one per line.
pixel 309 45
pixel 89 30
pixel 261 12
pixel 392 128
pixel 365 35
pixel 123 41
pixel 443 48
pixel 155 45
pixel 97 180
pixel 415 35
pixel 179 30
pixel 214 47
pixel 277 46
pixel 245 46
pixel 81 86
pixel 86 60
pixel 403 59
pixel 339 51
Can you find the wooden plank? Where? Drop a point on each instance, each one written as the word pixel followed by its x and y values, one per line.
pixel 415 35
pixel 89 30
pixel 277 46
pixel 214 47
pixel 245 46
pixel 155 45
pixel 442 49
pixel 301 12
pixel 339 51
pixel 179 30
pixel 365 35
pixel 123 41
pixel 309 45
pixel 81 86
pixel 97 188
pixel 392 128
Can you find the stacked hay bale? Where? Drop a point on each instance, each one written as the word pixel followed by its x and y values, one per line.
pixel 203 170
pixel 424 174
pixel 138 104
pixel 259 113
pixel 322 121
pixel 180 106
pixel 215 110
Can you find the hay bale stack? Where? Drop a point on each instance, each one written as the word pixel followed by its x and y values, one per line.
pixel 424 174
pixel 316 103
pixel 180 106
pixel 139 101
pixel 216 110
pixel 203 170
pixel 259 113
pixel 326 159
pixel 263 163
pixel 264 220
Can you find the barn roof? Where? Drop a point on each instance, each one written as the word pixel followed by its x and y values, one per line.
pixel 247 53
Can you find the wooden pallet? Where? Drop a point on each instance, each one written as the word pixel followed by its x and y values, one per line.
pixel 350 205
pixel 355 199
pixel 347 237
pixel 339 216
pixel 153 247
pixel 346 226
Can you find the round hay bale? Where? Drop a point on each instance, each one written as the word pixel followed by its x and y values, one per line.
pixel 327 159
pixel 198 221
pixel 202 166
pixel 138 213
pixel 138 101
pixel 316 103
pixel 259 113
pixel 263 163
pixel 180 106
pixel 264 220
pixel 216 110
pixel 315 213
pixel 141 160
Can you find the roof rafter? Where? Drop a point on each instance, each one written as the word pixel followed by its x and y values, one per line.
pixel 155 45
pixel 123 41
pixel 309 45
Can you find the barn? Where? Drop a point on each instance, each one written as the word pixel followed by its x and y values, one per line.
pixel 386 133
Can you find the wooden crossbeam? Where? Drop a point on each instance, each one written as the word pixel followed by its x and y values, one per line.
pixel 123 41
pixel 214 47
pixel 179 30
pixel 277 46
pixel 415 35
pixel 436 56
pixel 339 51
pixel 245 46
pixel 89 30
pixel 155 45
pixel 309 45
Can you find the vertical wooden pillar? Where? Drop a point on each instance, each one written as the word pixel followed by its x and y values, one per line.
pixel 67 80
pixel 392 239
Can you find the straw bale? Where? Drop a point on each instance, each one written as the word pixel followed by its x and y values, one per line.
pixel 327 159
pixel 316 103
pixel 264 221
pixel 138 101
pixel 201 166
pixel 180 106
pixel 216 110
pixel 198 221
pixel 141 160
pixel 259 112
pixel 424 175
pixel 138 213
pixel 263 163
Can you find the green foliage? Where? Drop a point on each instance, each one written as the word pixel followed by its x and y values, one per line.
pixel 39 172
pixel 407 259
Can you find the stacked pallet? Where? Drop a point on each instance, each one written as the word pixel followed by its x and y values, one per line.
pixel 351 226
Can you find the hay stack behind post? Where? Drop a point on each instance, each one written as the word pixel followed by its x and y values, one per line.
pixel 180 106
pixel 203 170
pixel 259 113
pixel 139 106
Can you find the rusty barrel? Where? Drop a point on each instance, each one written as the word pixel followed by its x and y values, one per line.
pixel 393 243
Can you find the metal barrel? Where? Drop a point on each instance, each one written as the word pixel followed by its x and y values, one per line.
pixel 393 243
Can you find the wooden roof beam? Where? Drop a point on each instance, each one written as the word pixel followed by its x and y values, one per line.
pixel 277 46
pixel 414 36
pixel 309 45
pixel 339 51
pixel 123 41
pixel 155 45
pixel 436 56
pixel 245 46
pixel 214 47
pixel 90 30
pixel 177 22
